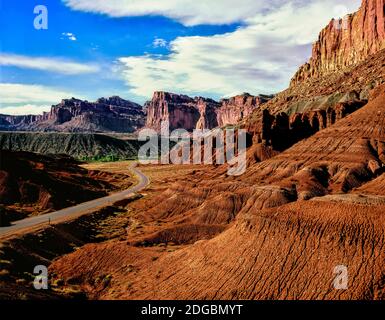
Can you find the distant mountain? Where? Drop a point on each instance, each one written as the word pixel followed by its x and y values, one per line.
pixel 112 114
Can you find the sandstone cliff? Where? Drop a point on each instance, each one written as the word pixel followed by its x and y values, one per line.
pixel 347 42
pixel 184 112
pixel 235 109
pixel 348 61
pixel 281 131
pixel 181 111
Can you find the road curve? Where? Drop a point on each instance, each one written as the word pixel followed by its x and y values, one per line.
pixel 78 210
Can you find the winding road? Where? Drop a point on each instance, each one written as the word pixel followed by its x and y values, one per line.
pixel 78 210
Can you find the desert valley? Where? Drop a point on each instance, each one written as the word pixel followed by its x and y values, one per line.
pixel 309 207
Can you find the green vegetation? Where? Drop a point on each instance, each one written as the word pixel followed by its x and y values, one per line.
pixel 93 147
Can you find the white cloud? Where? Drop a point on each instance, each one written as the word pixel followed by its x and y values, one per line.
pixel 15 94
pixel 188 12
pixel 259 57
pixel 191 12
pixel 25 109
pixel 159 43
pixel 47 64
pixel 69 36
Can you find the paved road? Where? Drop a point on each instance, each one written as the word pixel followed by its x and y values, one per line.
pixel 78 210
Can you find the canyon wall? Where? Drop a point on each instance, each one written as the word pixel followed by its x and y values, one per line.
pixel 235 109
pixel 199 113
pixel 181 111
pixel 347 41
pixel 281 131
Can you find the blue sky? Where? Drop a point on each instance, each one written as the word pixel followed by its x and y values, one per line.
pixel 95 48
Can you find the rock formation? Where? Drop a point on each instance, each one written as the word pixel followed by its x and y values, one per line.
pixel 347 62
pixel 347 41
pixel 179 110
pixel 73 115
pixel 187 113
pixel 235 109
pixel 117 115
pixel 280 131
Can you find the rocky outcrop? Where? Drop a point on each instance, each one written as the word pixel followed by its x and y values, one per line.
pixel 280 131
pixel 188 113
pixel 6 120
pixel 320 93
pixel 73 115
pixel 347 41
pixel 208 114
pixel 235 109
pixel 180 110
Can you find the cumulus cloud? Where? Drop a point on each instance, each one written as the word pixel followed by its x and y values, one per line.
pixel 259 57
pixel 69 36
pixel 16 95
pixel 47 64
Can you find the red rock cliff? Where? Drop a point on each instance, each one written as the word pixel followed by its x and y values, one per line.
pixel 347 41
pixel 237 108
pixel 181 111
pixel 184 112
pixel 73 115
